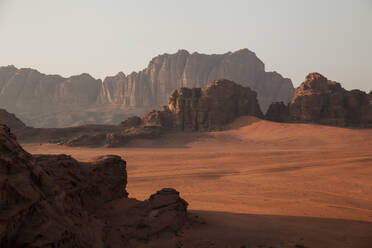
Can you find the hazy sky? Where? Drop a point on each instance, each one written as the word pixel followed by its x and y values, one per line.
pixel 293 37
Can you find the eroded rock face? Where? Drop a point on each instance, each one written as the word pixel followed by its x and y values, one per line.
pixel 211 107
pixel 35 211
pixel 165 73
pixel 204 109
pixel 56 201
pixel 53 101
pixel 323 101
pixel 319 100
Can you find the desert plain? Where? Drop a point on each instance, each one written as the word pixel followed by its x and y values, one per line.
pixel 257 183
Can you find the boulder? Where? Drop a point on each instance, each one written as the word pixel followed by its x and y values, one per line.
pixel 168 211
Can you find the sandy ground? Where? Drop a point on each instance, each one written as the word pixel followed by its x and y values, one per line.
pixel 259 183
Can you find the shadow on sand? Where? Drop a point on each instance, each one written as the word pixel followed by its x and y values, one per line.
pixel 226 229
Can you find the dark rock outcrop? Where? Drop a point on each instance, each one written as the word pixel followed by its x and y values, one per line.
pixel 53 101
pixel 56 201
pixel 133 121
pixel 168 211
pixel 319 100
pixel 277 111
pixel 35 210
pixel 211 107
pixel 159 118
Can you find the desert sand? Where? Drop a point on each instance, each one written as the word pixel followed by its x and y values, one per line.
pixel 258 183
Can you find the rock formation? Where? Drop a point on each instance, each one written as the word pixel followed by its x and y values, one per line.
pixel 132 121
pixel 204 109
pixel 277 111
pixel 168 72
pixel 319 100
pixel 10 120
pixel 198 109
pixel 212 107
pixel 53 101
pixel 56 201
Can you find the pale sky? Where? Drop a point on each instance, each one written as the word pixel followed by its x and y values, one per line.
pixel 293 37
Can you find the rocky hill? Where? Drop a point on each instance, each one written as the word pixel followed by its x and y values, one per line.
pixel 56 201
pixel 319 100
pixel 53 101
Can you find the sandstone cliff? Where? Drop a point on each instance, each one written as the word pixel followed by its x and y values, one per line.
pixel 53 101
pixel 165 73
pixel 319 100
pixel 56 201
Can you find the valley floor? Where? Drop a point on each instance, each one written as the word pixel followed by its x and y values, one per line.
pixel 259 183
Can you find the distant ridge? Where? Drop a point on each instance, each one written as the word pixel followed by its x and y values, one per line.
pixel 53 101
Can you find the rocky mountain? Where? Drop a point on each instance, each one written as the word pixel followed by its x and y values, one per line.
pixel 56 201
pixel 50 100
pixel 167 72
pixel 319 100
pixel 53 101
